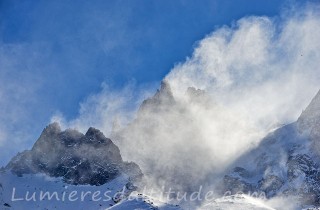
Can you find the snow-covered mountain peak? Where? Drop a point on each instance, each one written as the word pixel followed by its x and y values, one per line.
pixel 52 128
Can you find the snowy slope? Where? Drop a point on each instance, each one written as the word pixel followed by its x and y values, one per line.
pixel 236 202
pixel 139 201
pixel 14 189
pixel 36 183
pixel 87 167
pixel 286 163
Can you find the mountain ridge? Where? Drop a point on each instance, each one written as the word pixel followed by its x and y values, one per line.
pixel 89 158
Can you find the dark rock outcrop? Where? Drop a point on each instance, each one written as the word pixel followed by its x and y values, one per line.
pixel 80 159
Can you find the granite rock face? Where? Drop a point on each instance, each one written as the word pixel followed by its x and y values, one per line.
pixel 78 158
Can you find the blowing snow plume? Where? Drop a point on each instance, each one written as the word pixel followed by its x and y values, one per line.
pixel 241 82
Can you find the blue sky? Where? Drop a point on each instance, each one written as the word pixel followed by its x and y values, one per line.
pixel 54 54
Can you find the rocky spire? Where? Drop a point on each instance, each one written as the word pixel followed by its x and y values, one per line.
pixel 163 98
pixel 52 128
pixel 164 93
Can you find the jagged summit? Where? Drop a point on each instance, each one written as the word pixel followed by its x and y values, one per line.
pixel 163 98
pixel 96 136
pixel 164 94
pixel 52 128
pixel 79 159
pixel 165 89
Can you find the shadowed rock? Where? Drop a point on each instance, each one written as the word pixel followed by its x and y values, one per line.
pixel 80 159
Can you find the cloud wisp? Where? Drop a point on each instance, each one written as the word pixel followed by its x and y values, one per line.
pixel 107 110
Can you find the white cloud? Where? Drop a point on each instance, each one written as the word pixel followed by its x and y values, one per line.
pixel 107 109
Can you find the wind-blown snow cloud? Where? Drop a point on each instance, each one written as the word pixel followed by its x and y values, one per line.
pixel 262 71
pixel 108 110
pixel 257 74
pixel 268 64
